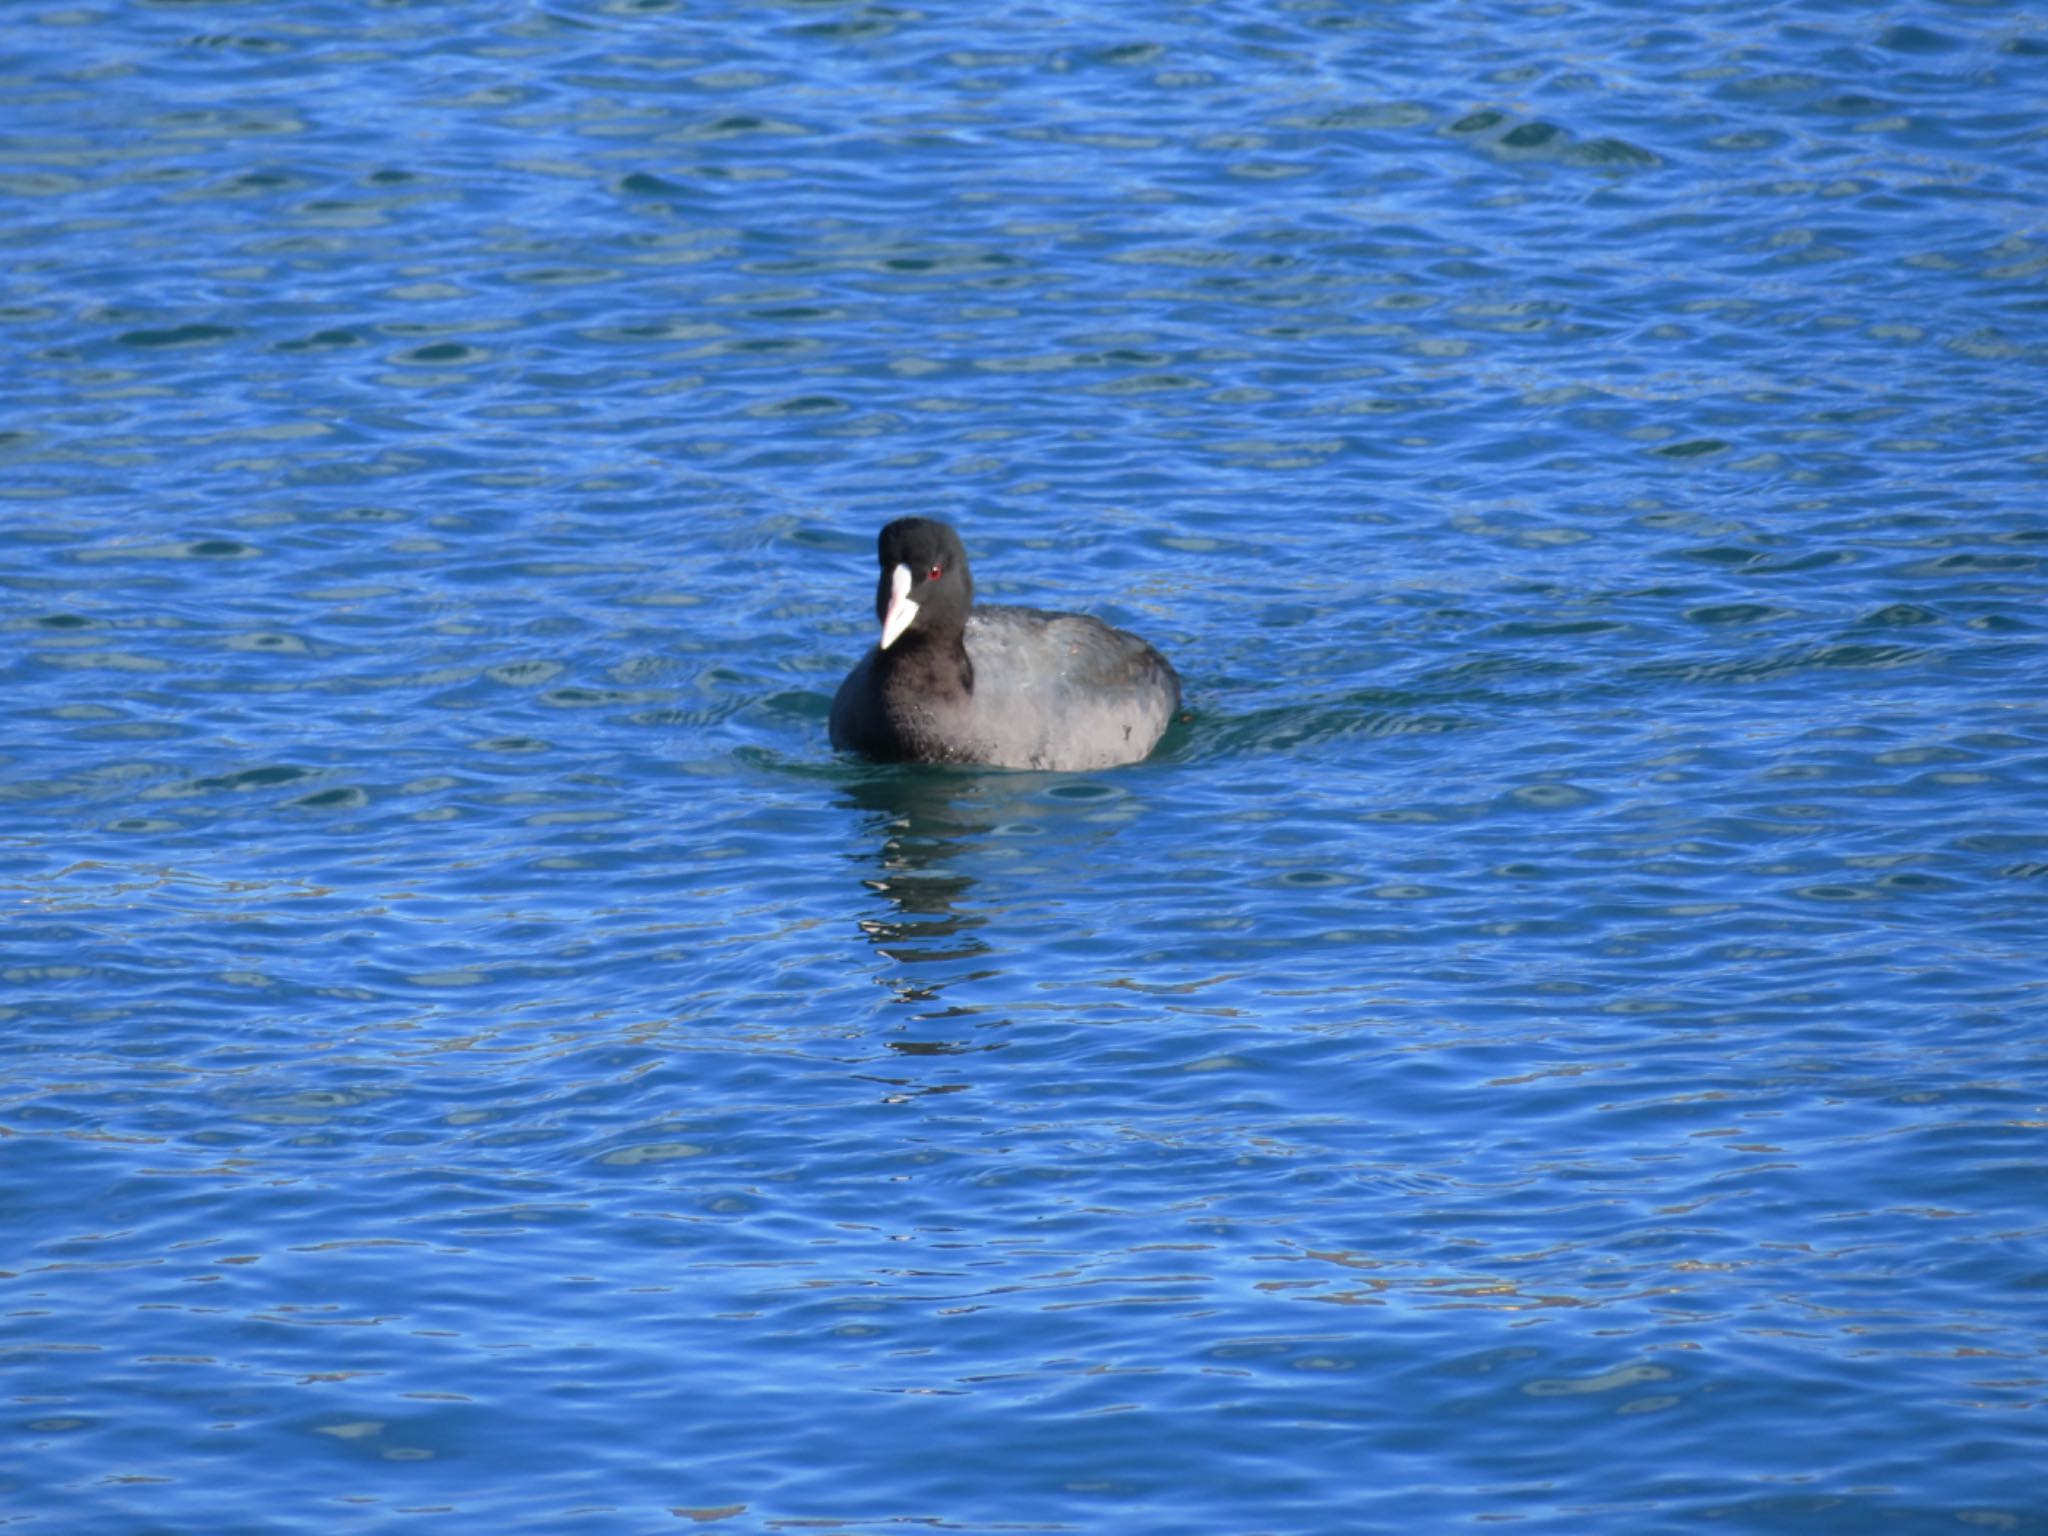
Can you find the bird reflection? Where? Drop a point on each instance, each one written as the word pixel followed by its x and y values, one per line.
pixel 931 826
pixel 925 819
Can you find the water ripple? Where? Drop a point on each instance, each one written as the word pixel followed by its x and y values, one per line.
pixel 473 1052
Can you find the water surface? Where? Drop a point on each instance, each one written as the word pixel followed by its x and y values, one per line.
pixel 1554 1038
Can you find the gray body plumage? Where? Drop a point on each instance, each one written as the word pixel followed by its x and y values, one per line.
pixel 1058 691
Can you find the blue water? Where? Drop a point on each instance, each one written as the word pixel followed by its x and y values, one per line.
pixel 1556 1038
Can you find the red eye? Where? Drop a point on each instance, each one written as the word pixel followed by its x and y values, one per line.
pixel 933 574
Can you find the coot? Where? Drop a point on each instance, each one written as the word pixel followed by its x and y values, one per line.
pixel 1003 687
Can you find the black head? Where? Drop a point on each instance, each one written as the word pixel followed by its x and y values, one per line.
pixel 925 585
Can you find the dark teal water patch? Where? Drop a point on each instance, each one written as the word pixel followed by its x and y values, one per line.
pixel 1551 1039
pixel 253 778
pixel 194 335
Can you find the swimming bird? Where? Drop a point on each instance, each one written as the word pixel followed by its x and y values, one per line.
pixel 1002 687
